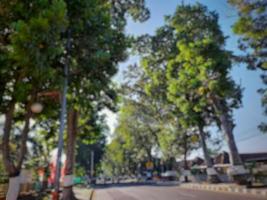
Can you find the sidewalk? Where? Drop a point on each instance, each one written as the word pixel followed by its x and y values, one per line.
pixel 231 188
pixel 83 193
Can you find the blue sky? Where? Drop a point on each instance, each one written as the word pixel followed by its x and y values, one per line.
pixel 247 118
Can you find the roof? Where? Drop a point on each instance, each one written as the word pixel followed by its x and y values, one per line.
pixel 250 157
pixel 223 158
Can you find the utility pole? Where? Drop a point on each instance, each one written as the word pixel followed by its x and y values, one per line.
pixel 62 119
pixel 92 166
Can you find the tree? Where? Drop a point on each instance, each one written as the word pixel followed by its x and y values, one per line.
pixel 42 140
pixel 29 45
pixel 114 159
pixel 148 99
pixel 89 25
pixel 199 81
pixel 178 142
pixel 251 27
pixel 91 138
pixel 135 128
pixel 98 43
pixel 155 51
pixel 135 136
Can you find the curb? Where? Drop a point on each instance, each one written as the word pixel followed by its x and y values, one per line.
pixel 92 195
pixel 225 188
pixel 168 183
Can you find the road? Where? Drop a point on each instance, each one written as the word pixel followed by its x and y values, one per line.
pixel 163 193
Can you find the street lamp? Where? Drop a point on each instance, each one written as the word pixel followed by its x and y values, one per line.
pixel 36 107
pixel 62 119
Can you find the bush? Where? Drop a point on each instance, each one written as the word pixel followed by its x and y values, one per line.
pixel 3 174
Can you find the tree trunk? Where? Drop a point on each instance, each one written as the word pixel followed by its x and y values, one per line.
pixel 9 165
pixel 13 172
pixel 186 171
pixel 237 170
pixel 211 172
pixel 148 152
pixel 68 193
pixel 13 188
pixel 24 138
pixel 12 169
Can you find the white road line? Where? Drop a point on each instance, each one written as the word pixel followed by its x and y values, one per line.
pixel 187 195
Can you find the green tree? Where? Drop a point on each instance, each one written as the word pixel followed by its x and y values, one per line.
pixel 114 159
pixel 199 81
pixel 135 138
pixel 252 28
pixel 98 44
pixel 155 51
pixel 29 45
pixel 33 52
pixel 135 128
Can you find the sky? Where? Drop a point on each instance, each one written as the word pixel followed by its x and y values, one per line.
pixel 249 116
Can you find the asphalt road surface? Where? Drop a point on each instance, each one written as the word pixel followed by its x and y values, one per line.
pixel 163 193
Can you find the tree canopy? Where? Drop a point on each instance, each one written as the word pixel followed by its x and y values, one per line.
pixel 251 27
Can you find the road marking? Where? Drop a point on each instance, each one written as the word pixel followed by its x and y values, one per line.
pixel 187 195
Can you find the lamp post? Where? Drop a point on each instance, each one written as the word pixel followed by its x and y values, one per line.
pixel 62 121
pixel 92 167
pixel 36 107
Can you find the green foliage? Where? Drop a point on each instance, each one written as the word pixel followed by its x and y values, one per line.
pixel 114 159
pixel 200 71
pixel 157 53
pixel 252 28
pixel 98 45
pixel 134 138
pixel 121 9
pixel 3 175
pixel 35 41
pixel 186 72
pixel 136 130
pixel 91 138
pixel 263 92
pixel 80 171
pixel 30 46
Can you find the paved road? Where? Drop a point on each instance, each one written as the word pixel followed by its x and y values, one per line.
pixel 163 193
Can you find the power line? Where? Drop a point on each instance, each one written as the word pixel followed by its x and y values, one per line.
pixel 247 138
pixel 248 130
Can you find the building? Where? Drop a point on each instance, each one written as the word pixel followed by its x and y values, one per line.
pixel 256 163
